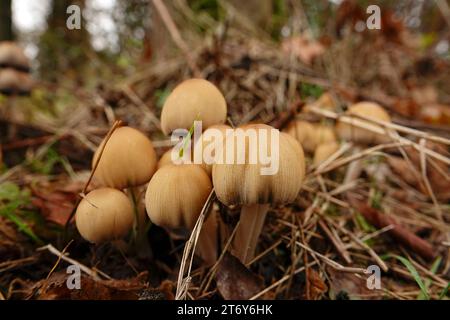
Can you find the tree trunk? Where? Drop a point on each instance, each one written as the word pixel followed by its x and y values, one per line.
pixel 6 32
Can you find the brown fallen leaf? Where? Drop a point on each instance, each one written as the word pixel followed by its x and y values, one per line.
pixel 55 288
pixel 305 49
pixel 317 285
pixel 235 281
pixel 347 285
pixel 55 205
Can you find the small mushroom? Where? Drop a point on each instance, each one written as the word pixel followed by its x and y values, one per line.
pixel 104 214
pixel 128 159
pixel 355 131
pixel 12 56
pixel 324 151
pixel 311 135
pixel 243 184
pixel 15 82
pixel 191 100
pixel 362 132
pixel 176 194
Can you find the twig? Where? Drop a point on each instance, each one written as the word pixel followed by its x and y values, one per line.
pixel 82 267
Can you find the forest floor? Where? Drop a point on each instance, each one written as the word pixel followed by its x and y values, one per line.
pixel 394 213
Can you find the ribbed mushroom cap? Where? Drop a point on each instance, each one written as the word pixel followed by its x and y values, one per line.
pixel 324 151
pixel 244 184
pixel 193 99
pixel 351 132
pixel 176 195
pixel 12 56
pixel 104 214
pixel 15 82
pixel 128 159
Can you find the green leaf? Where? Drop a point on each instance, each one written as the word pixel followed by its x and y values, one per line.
pixel 412 270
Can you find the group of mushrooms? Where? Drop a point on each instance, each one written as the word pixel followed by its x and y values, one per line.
pixel 176 193
pixel 15 76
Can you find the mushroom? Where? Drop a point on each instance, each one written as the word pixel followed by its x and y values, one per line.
pixel 175 198
pixel 206 149
pixel 310 135
pixel 361 132
pixel 324 151
pixel 104 214
pixel 354 132
pixel 191 100
pixel 243 183
pixel 12 56
pixel 176 194
pixel 15 82
pixel 128 159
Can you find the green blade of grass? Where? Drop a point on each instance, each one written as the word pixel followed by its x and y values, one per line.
pixel 444 292
pixel 8 212
pixel 412 270
pixel 433 270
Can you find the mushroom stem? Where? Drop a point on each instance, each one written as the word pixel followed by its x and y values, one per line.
pixel 354 168
pixel 139 226
pixel 207 241
pixel 250 227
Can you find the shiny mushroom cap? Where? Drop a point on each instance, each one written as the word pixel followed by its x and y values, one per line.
pixel 128 159
pixel 191 100
pixel 353 132
pixel 12 56
pixel 104 214
pixel 245 184
pixel 176 195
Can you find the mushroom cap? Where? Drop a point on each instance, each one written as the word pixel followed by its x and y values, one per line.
pixel 324 151
pixel 104 214
pixel 176 195
pixel 15 82
pixel 244 184
pixel 193 99
pixel 302 131
pixel 11 55
pixel 128 159
pixel 310 135
pixel 352 132
pixel 208 143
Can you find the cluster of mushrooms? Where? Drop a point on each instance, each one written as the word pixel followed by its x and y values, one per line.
pixel 15 76
pixel 177 192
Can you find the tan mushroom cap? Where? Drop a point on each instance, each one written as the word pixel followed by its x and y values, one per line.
pixel 128 159
pixel 15 82
pixel 193 99
pixel 324 151
pixel 104 214
pixel 209 144
pixel 352 132
pixel 11 55
pixel 176 195
pixel 310 135
pixel 244 184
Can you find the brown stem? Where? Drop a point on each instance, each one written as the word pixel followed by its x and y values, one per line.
pixel 250 227
pixel 207 240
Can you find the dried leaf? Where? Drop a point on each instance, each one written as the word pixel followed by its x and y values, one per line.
pixel 235 281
